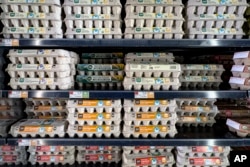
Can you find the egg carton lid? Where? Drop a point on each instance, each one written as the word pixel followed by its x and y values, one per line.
pixel 39 67
pixel 93 129
pixel 93 103
pixel 215 31
pixel 205 149
pixel 155 16
pixel 154 2
pixel 92 3
pixel 32 30
pixel 54 2
pixel 154 30
pixel 102 55
pixel 30 16
pixel 148 129
pixel 206 67
pixel 100 67
pixel 241 124
pixel 239 81
pixel 217 3
pixel 148 103
pixel 200 79
pixel 94 31
pixel 150 81
pixel 146 67
pixel 216 17
pixel 99 79
pixel 196 119
pixel 83 17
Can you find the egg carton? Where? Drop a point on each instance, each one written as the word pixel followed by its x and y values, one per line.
pixel 46 115
pixel 197 113
pixel 149 118
pixel 44 108
pixel 42 56
pixel 52 159
pixel 234 111
pixel 195 121
pixel 32 32
pixel 42 83
pixel 215 21
pixel 100 69
pixel 242 71
pixel 146 149
pixel 149 57
pixel 153 33
pixel 7 148
pixel 54 149
pixel 200 85
pixel 195 101
pixel 99 157
pixel 218 33
pixel 13 159
pixel 114 55
pixel 98 148
pixel 23 154
pixel 45 102
pixel 149 130
pixel 148 159
pixel 149 105
pixel 10 111
pixel 94 130
pixel 241 126
pixel 102 61
pixel 204 109
pixel 141 83
pixel 202 69
pixel 5 125
pixel 153 70
pixel 65 153
pixel 241 58
pixel 37 2
pixel 181 165
pixel 39 127
pixel 239 83
pixel 211 7
pixel 10 102
pixel 86 118
pixel 97 33
pixel 202 79
pixel 40 70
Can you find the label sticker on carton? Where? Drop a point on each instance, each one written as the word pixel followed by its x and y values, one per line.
pixel 26 30
pixel 35 81
pixel 144 95
pixel 93 16
pixel 36 128
pixel 241 55
pixel 193 119
pixel 7 148
pixel 100 79
pixel 219 2
pixel 195 108
pixel 26 1
pixel 98 148
pixel 204 161
pixel 152 16
pixel 167 67
pixel 50 148
pixel 152 116
pixel 94 116
pixel 200 79
pixel 204 149
pixel 218 16
pixel 147 161
pixel 150 102
pixel 31 15
pixel 93 31
pixel 48 108
pixel 98 157
pixel 79 94
pixel 100 67
pixel 50 158
pixel 168 2
pixel 34 66
pixel 201 67
pixel 8 158
pixel 213 31
pixel 94 103
pixel 151 129
pixel 140 30
pixel 94 129
pixel 152 81
pixel 93 2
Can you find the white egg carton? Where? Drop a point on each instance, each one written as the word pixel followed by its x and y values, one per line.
pixel 210 7
pixel 237 82
pixel 195 121
pixel 4 126
pixel 202 69
pixel 153 33
pixel 91 106
pixel 7 148
pixel 242 71
pixel 100 69
pixel 32 32
pixel 94 130
pixel 97 33
pixel 152 70
pixel 42 83
pixel 198 110
pixel 98 148
pixel 39 127
pixel 200 81
pixel 37 2
pixel 101 73
pixel 65 153
pixel 42 56
pixel 98 157
pixel 52 159
pixel 241 58
pixel 149 105
pixel 218 33
pixel 45 102
pixel 13 159
pixel 215 21
pixel 141 83
pixel 53 149
pixel 10 102
pixel 149 130
pixel 195 101
pixel 240 126
pixel 86 118
pixel 149 57
pixel 146 149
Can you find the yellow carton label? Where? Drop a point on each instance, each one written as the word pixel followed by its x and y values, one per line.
pixel 94 116
pixel 93 128
pixel 151 129
pixel 150 102
pixel 94 103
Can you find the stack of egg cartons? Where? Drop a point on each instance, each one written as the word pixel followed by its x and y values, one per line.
pixel 160 19
pixel 196 112
pixel 52 155
pixel 201 76
pixel 93 19
pixel 215 19
pixel 94 118
pixel 147 156
pixel 100 71
pixel 13 155
pixel 149 118
pixel 98 154
pixel 216 156
pixel 151 71
pixel 42 69
pixel 31 19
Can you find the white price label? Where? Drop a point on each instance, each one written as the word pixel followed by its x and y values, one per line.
pixel 24 142
pixel 78 94
pixel 10 42
pixel 144 95
pixel 18 94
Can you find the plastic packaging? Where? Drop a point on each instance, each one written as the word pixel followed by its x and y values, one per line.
pixel 52 159
pixel 240 126
pixel 149 57
pixel 145 149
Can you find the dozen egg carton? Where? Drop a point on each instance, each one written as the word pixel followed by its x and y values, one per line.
pixel 151 71
pixel 93 19
pixel 13 155
pixel 239 126
pixel 202 156
pixel 94 118
pixel 42 69
pixel 209 19
pixel 100 70
pixel 149 118
pixel 40 19
pixel 154 19
pixel 147 156
pixel 196 112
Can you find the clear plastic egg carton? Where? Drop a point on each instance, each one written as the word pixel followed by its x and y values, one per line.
pixel 95 118
pixel 50 149
pixel 153 33
pixel 195 101
pixel 149 57
pixel 5 125
pixel 45 102
pixel 13 159
pixel 202 69
pixel 52 159
pixel 149 130
pixel 46 114
pixel 97 33
pixel 98 157
pixel 141 83
pixel 240 126
pixel 149 118
pixel 153 70
pixel 40 70
pixel 149 105
pixel 215 21
pixel 7 148
pixel 42 83
pixel 39 127
pixel 98 148
pixel 32 32
pixel 100 69
pixel 10 102
pixel 242 71
pixel 94 130
pixel 218 33
pixel 42 56
pixel 239 83
pixel 200 81
pixel 210 7
pixel 195 121
pixel 92 106
pixel 197 110
pixel 146 149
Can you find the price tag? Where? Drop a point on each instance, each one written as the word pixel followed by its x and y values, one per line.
pixel 78 94
pixel 10 42
pixel 18 94
pixel 24 142
pixel 144 95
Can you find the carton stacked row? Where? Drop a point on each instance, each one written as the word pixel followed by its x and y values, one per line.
pixel 10 155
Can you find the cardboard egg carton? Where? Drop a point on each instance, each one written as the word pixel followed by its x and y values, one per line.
pixel 197 110
pixel 98 157
pixel 94 130
pixel 45 102
pixel 89 149
pixel 10 111
pixel 114 55
pixel 52 159
pixel 54 2
pixel 102 61
pixel 149 57
pixel 94 118
pixel 13 159
pixel 153 33
pixel 242 71
pixel 200 81
pixel 149 130
pixel 239 83
pixel 52 149
pixel 202 69
pixel 94 33
pixel 52 111
pixel 241 58
pixel 42 83
pixel 65 153
pixel 42 56
pixel 195 121
pixel 7 148
pixel 218 33
pixel 145 149
pixel 240 126
pixel 195 101
pixel 149 105
pixel 10 102
pixel 5 125
pixel 100 69
pixel 147 83
pixel 39 127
